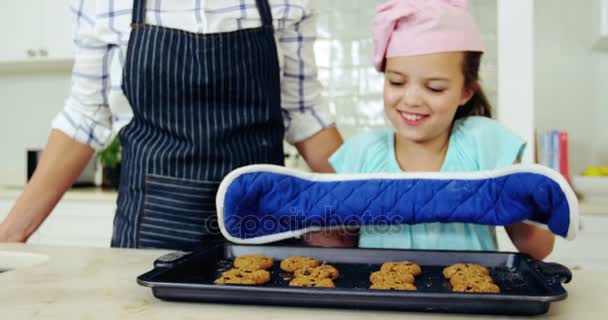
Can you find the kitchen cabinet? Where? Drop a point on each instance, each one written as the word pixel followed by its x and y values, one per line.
pixel 23 17
pixel 36 31
pixel 600 24
pixel 57 30
pixel 79 223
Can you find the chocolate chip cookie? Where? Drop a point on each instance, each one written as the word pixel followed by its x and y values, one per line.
pixel 402 267
pixel 253 262
pixel 238 276
pixel 391 277
pixel 482 287
pixel 312 282
pixel 393 286
pixel 294 263
pixel 464 278
pixel 468 268
pixel 322 271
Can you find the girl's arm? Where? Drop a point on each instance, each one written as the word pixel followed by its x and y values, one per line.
pixel 535 241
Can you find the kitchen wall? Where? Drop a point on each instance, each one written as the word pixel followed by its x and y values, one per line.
pixel 571 81
pixel 29 99
pixel 599 149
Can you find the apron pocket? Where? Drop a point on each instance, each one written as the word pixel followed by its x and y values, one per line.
pixel 178 213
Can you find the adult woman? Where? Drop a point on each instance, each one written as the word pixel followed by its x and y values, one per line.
pixel 210 91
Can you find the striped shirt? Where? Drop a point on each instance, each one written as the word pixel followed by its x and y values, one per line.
pixel 96 106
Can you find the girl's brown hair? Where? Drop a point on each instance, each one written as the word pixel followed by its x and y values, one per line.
pixel 478 105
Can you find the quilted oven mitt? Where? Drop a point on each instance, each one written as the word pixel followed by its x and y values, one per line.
pixel 266 203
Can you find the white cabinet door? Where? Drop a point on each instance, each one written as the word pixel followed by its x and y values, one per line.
pixel 36 30
pixel 588 250
pixel 20 33
pixel 79 223
pixel 600 24
pixel 57 28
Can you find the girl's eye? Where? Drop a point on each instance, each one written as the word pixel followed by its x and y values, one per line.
pixel 435 90
pixel 395 83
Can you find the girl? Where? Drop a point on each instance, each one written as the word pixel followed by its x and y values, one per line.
pixel 430 51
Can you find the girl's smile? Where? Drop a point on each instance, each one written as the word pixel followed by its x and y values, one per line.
pixel 412 119
pixel 422 94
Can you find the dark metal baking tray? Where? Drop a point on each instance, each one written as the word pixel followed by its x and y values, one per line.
pixel 527 286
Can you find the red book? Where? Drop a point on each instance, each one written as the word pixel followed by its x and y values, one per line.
pixel 563 155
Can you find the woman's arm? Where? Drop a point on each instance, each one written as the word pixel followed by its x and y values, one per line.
pixel 309 124
pixel 84 124
pixel 62 162
pixel 317 149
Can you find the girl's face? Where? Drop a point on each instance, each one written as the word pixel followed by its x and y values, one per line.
pixel 422 94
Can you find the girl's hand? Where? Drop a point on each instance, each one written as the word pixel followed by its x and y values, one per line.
pixel 336 238
pixel 535 241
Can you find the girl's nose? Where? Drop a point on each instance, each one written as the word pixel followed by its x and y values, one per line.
pixel 412 96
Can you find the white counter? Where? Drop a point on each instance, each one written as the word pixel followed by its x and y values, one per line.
pixel 85 283
pixel 593 208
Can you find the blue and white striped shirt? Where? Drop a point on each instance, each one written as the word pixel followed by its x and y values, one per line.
pixel 96 106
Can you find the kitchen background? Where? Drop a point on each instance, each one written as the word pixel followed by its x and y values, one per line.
pixel 543 70
pixel 570 79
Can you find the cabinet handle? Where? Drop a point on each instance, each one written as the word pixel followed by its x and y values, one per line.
pixel 31 53
pixel 44 52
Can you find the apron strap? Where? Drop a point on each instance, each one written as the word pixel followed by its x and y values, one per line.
pixel 265 13
pixel 139 12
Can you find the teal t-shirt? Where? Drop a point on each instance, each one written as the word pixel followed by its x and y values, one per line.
pixel 476 143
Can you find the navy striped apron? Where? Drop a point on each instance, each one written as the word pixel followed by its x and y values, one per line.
pixel 203 105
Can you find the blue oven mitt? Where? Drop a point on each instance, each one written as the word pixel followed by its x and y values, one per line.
pixel 266 203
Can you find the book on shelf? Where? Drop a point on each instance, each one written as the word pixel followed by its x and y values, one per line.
pixel 552 151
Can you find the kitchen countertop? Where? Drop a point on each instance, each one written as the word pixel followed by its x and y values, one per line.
pixel 593 208
pixel 99 283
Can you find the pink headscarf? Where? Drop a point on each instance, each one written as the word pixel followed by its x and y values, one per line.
pixel 414 27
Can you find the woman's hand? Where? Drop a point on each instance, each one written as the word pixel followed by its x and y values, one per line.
pixel 9 233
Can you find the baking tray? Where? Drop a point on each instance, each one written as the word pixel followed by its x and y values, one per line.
pixel 527 286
